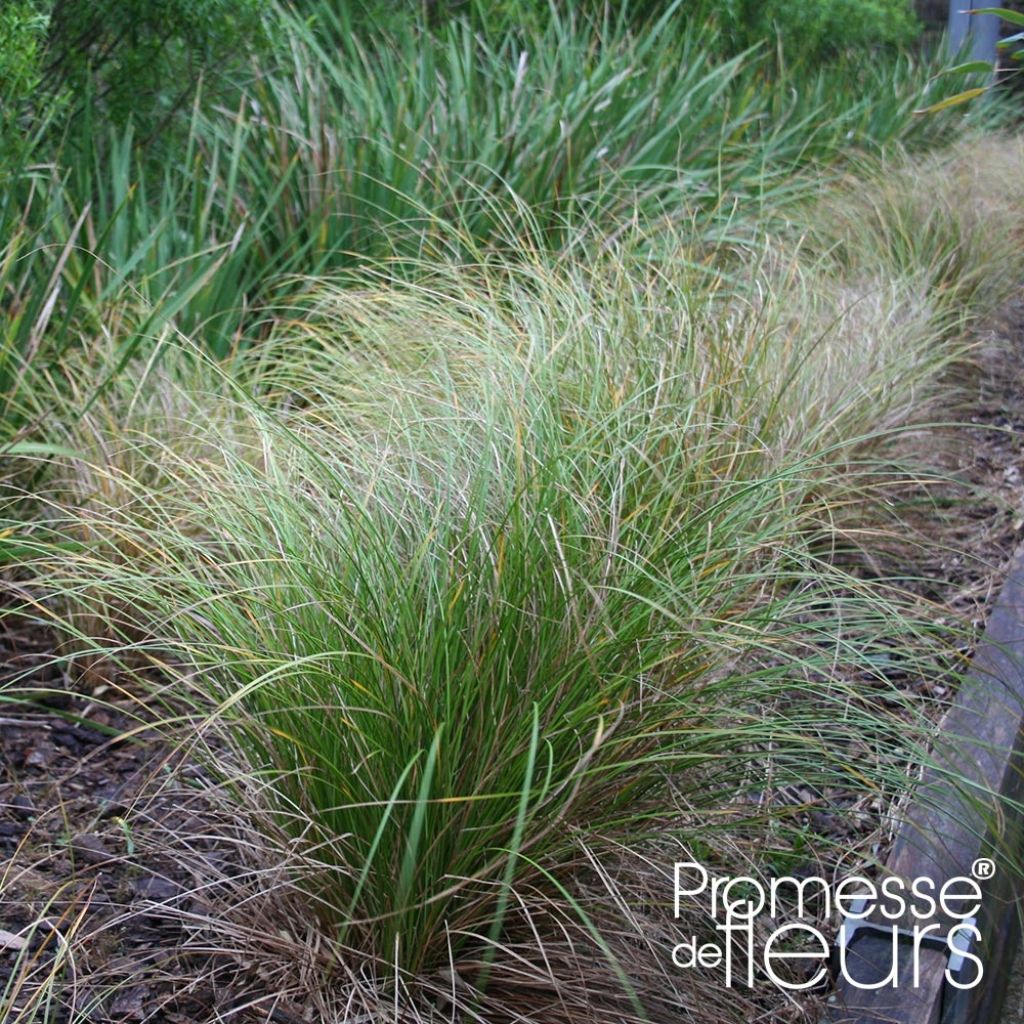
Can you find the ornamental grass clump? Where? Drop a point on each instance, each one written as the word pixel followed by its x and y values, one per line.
pixel 946 218
pixel 491 572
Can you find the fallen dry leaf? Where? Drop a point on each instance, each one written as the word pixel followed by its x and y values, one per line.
pixel 11 942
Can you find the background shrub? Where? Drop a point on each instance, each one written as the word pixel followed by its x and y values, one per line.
pixel 812 29
pixel 23 29
pixel 134 56
pixel 808 29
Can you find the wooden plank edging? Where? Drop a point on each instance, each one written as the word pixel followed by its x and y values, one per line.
pixel 948 826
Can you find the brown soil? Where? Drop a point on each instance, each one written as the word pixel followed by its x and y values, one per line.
pixel 108 840
pixel 987 460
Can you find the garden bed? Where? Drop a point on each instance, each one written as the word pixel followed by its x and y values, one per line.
pixel 117 861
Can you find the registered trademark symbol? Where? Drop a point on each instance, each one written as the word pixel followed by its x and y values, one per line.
pixel 983 869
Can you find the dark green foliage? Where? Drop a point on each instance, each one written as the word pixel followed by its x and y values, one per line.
pixel 498 16
pixel 136 57
pixel 23 29
pixel 23 25
pixel 815 28
pixel 811 29
pixel 342 149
